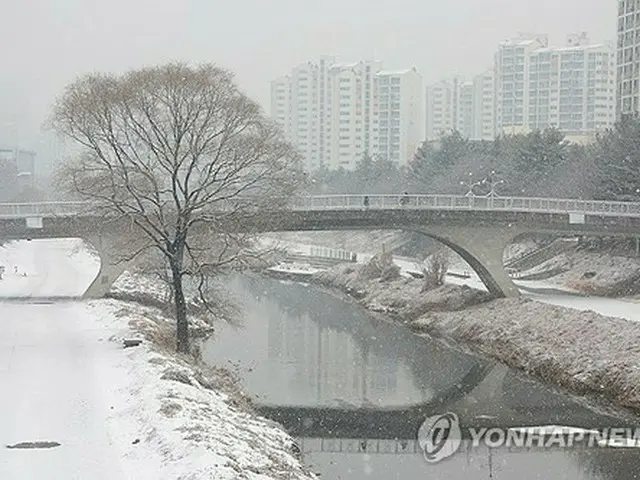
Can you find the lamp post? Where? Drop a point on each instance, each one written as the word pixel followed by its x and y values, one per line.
pixel 493 183
pixel 470 185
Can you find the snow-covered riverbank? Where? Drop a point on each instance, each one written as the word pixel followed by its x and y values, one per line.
pixel 399 296
pixel 601 273
pixel 110 412
pixel 580 351
pixel 127 413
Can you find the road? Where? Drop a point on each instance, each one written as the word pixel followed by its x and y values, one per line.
pixel 47 268
pixel 58 385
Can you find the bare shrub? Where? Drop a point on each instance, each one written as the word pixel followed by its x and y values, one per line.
pixel 435 270
pixel 381 266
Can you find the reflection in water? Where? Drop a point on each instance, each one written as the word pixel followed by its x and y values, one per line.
pixel 310 348
pixel 476 463
pixel 325 368
pixel 608 463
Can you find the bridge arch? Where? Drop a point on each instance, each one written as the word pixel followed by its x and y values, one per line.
pixel 483 249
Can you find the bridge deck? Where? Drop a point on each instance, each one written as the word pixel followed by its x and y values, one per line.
pixel 379 202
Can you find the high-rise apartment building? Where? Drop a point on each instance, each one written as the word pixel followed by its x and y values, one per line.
pixel 571 88
pixel 280 103
pixel 449 105
pixel 350 110
pixel 399 127
pixel 512 65
pixel 466 107
pixel 483 117
pixel 628 57
pixel 332 112
pixel 299 104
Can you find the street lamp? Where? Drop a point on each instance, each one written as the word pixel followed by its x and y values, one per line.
pixel 493 183
pixel 470 185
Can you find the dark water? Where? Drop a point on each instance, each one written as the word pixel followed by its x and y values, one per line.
pixel 355 390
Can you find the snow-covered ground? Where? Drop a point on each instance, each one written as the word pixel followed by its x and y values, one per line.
pixel 295 268
pixel 136 413
pixel 356 241
pixel 145 413
pixel 47 268
pixel 605 272
pixel 582 351
pixel 115 413
pixel 596 270
pixel 551 291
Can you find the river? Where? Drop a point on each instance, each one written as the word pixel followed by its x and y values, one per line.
pixel 355 389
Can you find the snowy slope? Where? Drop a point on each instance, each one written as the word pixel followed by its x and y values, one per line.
pixel 139 413
pixel 66 378
pixel 58 385
pixel 47 268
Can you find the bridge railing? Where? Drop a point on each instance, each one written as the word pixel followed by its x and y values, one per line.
pixel 43 209
pixel 353 202
pixel 458 202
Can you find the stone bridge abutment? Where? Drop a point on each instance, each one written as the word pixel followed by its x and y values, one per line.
pixel 111 265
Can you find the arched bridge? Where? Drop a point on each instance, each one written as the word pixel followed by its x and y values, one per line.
pixel 477 228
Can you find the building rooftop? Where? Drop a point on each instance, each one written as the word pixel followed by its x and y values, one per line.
pixel 575 48
pixel 524 39
pixel 344 65
pixel 396 72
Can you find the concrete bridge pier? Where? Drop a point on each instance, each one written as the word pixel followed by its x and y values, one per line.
pixel 482 248
pixel 110 268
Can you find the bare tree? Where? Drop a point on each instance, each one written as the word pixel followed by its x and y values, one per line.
pixel 435 269
pixel 184 158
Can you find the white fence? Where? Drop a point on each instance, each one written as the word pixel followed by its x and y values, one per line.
pixel 324 252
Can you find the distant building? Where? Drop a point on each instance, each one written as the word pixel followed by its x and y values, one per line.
pixel 628 58
pixel 512 68
pixel 281 110
pixel 350 113
pixel 299 106
pixel 448 108
pixel 571 88
pixel 483 117
pixel 24 161
pixel 333 112
pixel 399 127
pixel 466 107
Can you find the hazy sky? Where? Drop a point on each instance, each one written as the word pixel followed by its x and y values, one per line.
pixel 45 43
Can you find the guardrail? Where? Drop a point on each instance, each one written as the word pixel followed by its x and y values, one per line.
pixel 357 202
pixel 43 209
pixel 459 202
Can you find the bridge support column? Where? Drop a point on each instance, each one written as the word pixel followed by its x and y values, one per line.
pixel 482 248
pixel 110 269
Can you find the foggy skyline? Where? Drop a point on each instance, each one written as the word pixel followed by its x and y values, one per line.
pixel 44 45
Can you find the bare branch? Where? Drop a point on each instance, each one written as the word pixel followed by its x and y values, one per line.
pixel 165 149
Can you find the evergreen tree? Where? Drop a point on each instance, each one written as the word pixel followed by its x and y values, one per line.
pixel 616 155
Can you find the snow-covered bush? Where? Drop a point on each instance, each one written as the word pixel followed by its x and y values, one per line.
pixel 380 266
pixel 435 270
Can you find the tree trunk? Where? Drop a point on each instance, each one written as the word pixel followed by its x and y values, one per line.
pixel 182 325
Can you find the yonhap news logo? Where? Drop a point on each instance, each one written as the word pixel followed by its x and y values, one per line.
pixel 440 437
